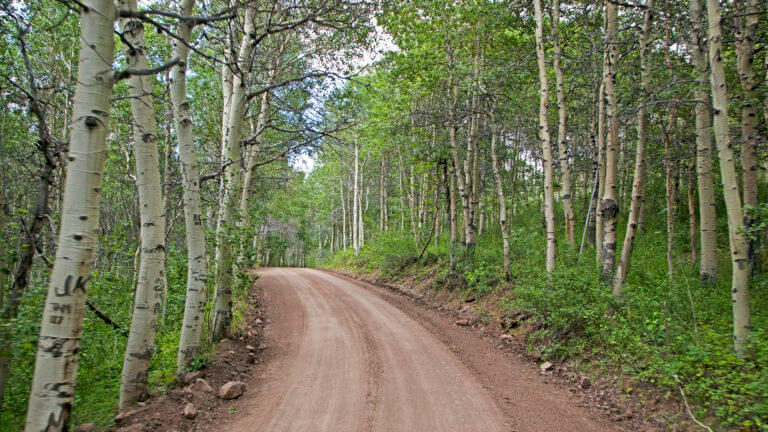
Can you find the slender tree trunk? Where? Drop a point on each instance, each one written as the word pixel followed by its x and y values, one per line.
pixel 197 263
pixel 609 208
pixel 355 206
pixel 343 215
pixel 382 194
pixel 252 153
pixel 502 201
pixel 463 189
pixel 58 347
pixel 600 169
pixel 642 138
pixel 745 49
pixel 546 147
pixel 742 265
pixel 360 212
pixel 671 181
pixel 150 289
pixel 454 223
pixel 692 207
pixel 565 166
pixel 222 314
pixel 707 224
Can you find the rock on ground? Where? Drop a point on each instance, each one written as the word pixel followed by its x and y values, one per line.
pixel 232 390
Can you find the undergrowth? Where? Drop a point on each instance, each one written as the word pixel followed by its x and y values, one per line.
pixel 101 359
pixel 664 332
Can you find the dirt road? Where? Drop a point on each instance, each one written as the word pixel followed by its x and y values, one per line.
pixel 348 356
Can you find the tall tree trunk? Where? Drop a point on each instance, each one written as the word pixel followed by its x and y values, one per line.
pixel 546 146
pixel 600 167
pixel 692 207
pixel 463 189
pixel 343 215
pixel 222 314
pixel 745 51
pixel 609 208
pixel 562 146
pixel 58 347
pixel 669 174
pixel 642 138
pixel 453 216
pixel 197 263
pixel 742 265
pixel 502 202
pixel 707 223
pixel 150 289
pixel 355 205
pixel 360 211
pixel 382 195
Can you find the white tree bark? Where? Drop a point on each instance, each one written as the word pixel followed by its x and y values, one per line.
pixel 546 146
pixel 562 145
pixel 707 225
pixel 638 185
pixel 742 265
pixel 58 347
pixel 609 207
pixel 150 289
pixel 355 200
pixel 222 314
pixel 197 263
pixel 502 201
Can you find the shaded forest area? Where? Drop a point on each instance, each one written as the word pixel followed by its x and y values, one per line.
pixel 599 165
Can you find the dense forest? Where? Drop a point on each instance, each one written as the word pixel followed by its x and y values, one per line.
pixel 601 165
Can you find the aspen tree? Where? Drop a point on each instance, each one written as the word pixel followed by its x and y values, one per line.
pixel 233 175
pixel 707 222
pixel 355 206
pixel 669 171
pixel 609 208
pixel 745 52
pixel 150 289
pixel 642 138
pixel 562 143
pixel 742 265
pixel 58 347
pixel 197 263
pixel 502 202
pixel 600 169
pixel 546 147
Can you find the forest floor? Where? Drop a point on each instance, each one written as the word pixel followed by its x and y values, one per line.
pixel 345 355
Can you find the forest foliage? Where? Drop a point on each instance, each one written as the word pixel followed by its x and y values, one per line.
pixel 625 209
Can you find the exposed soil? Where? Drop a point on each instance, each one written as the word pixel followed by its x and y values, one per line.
pixel 346 355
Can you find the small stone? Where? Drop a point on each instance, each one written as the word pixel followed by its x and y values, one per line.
pixel 201 384
pixel 584 382
pixel 545 366
pixel 189 411
pixel 251 358
pixel 258 321
pixel 230 352
pixel 86 427
pixel 262 347
pixel 142 404
pixel 189 377
pixel 462 322
pixel 124 415
pixel 250 348
pixel 507 337
pixel 231 390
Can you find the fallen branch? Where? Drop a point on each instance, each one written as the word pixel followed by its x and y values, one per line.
pixel 106 319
